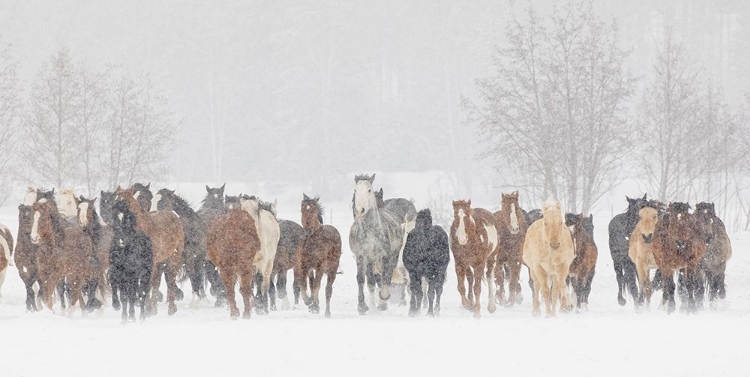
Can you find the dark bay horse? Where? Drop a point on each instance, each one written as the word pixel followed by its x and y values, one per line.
pixel 168 240
pixel 714 262
pixel 101 239
pixel 426 256
pixel 620 229
pixel 25 255
pixel 511 228
pixel 583 267
pixel 320 255
pixel 376 238
pixel 474 243
pixel 213 206
pixel 291 242
pixel 232 241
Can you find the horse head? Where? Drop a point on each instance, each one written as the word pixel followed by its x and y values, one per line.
pixel 364 198
pixel 635 205
pixel 312 212
pixel 106 203
pixel 142 193
pixel 163 200
pixel 215 197
pixel 424 220
pixel 511 212
pixel 705 214
pixel 45 194
pixel 647 218
pixel 42 226
pixel 124 221
pixel 68 203
pixel 553 223
pixel 463 222
pixel 86 211
pixel 681 224
pixel 29 198
pixel 231 202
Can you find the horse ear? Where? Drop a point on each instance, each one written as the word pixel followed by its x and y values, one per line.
pixel 273 205
pixel 372 178
pixel 80 197
pixel 148 186
pixel 94 200
pixel 222 187
pixel 644 196
pixel 469 202
pixel 305 197
pixel 381 191
pixel 208 189
pixel 558 205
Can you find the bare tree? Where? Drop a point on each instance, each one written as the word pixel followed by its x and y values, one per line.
pixel 10 116
pixel 90 117
pixel 53 144
pixel 554 111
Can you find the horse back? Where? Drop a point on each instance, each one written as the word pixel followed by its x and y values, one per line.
pixel 404 210
pixel 167 231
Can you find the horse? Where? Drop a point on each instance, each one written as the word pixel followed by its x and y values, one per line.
pixel 474 242
pixel 194 257
pixel 320 255
pixel 131 257
pixel 548 252
pixel 267 227
pixel 25 255
pixel 212 206
pixel 532 216
pixel 167 239
pixel 620 229
pixel 101 238
pixel 232 243
pixel 641 252
pixel 291 242
pixel 714 263
pixel 582 269
pixel 67 203
pixel 6 256
pixel 34 194
pixel 376 239
pixel 511 229
pixel 64 254
pixel 679 242
pixel 426 256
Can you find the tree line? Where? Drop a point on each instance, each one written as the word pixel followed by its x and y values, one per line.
pixel 561 115
pixel 78 126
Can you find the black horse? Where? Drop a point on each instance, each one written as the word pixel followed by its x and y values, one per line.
pixel 211 208
pixel 426 255
pixel 532 215
pixel 620 228
pixel 130 258
pixel 588 222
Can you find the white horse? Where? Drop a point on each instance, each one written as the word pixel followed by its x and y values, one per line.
pixel 269 233
pixel 67 203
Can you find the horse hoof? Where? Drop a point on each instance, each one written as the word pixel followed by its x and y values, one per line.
pixel 385 293
pixel 313 310
pixel 535 312
pixel 234 313
pixel 179 295
pixel 172 309
pixel 246 314
pixel 383 307
pixel 158 296
pixel 116 305
pixel 362 309
pixel 328 313
pixel 431 314
pixel 519 300
pixel 621 301
pixel 491 308
pixel 413 313
pixel 477 315
pixel 401 303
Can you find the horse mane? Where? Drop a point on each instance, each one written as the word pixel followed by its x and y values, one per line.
pixel 180 203
pixel 316 202
pixel 364 177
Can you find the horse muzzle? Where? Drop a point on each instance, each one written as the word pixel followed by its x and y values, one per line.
pixel 647 238
pixel 554 245
pixel 34 240
pixel 515 230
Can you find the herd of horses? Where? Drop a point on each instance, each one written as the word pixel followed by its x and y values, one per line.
pixel 68 252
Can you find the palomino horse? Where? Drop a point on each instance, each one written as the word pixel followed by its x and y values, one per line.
pixel 194 257
pixel 64 253
pixel 131 256
pixel 426 256
pixel 511 229
pixel 67 203
pixel 101 238
pixel 212 207
pixel 25 255
pixel 548 252
pixel 474 243
pixel 168 240
pixel 679 242
pixel 232 241
pixel 620 229
pixel 376 238
pixel 583 267
pixel 641 252
pixel 320 255
pixel 714 263
pixel 6 254
pixel 267 227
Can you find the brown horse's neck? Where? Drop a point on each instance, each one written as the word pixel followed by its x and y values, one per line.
pixel 142 218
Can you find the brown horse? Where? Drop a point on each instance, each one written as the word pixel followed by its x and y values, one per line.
pixel 64 253
pixel 6 254
pixel 511 229
pixel 320 255
pixel 679 242
pixel 232 243
pixel 101 236
pixel 548 253
pixel 474 244
pixel 582 269
pixel 25 255
pixel 168 240
pixel 641 252
pixel 714 263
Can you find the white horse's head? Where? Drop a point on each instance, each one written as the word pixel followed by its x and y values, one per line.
pixel 68 203
pixel 364 196
pixel 30 197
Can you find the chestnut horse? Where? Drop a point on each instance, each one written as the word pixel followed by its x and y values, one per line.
pixel 474 243
pixel 511 229
pixel 25 255
pixel 232 242
pixel 582 269
pixel 679 242
pixel 320 255
pixel 64 253
pixel 548 252
pixel 641 252
pixel 6 254
pixel 714 263
pixel 168 241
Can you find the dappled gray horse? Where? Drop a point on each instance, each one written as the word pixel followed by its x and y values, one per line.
pixel 376 238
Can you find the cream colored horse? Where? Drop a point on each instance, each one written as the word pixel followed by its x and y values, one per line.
pixel 67 202
pixel 548 252
pixel 269 233
pixel 641 253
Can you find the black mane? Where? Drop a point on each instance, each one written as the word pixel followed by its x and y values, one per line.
pixel 316 203
pixel 181 206
pixel 364 177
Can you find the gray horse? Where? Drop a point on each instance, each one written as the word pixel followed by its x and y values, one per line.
pixel 376 239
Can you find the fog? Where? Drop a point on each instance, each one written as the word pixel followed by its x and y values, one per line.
pixel 296 93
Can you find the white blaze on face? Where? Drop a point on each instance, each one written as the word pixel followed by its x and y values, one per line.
pixel 463 238
pixel 363 198
pixel 513 219
pixel 35 228
pixel 155 203
pixel 6 250
pixel 83 209
pixel 120 216
pixel 491 235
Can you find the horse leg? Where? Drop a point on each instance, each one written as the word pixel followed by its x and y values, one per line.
pixel 61 288
pixel 371 281
pixel 669 288
pixel 631 279
pixel 330 278
pixel 439 280
pixel 229 279
pixel 266 286
pixel 272 290
pixel 217 287
pixel 389 265
pixel 281 289
pixel 721 290
pixel 587 288
pixel 565 302
pixel 478 272
pixel 500 284
pixel 415 286
pixel 30 295
pixel 536 292
pixel 246 290
pixel 431 297
pixel 470 285
pixel 645 285
pixel 514 283
pixel 620 282
pixel 170 272
pixel 315 308
pixel 361 306
pixel 156 294
pixel 490 276
pixel 461 277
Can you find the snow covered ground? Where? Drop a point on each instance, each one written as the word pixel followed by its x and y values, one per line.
pixel 605 340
